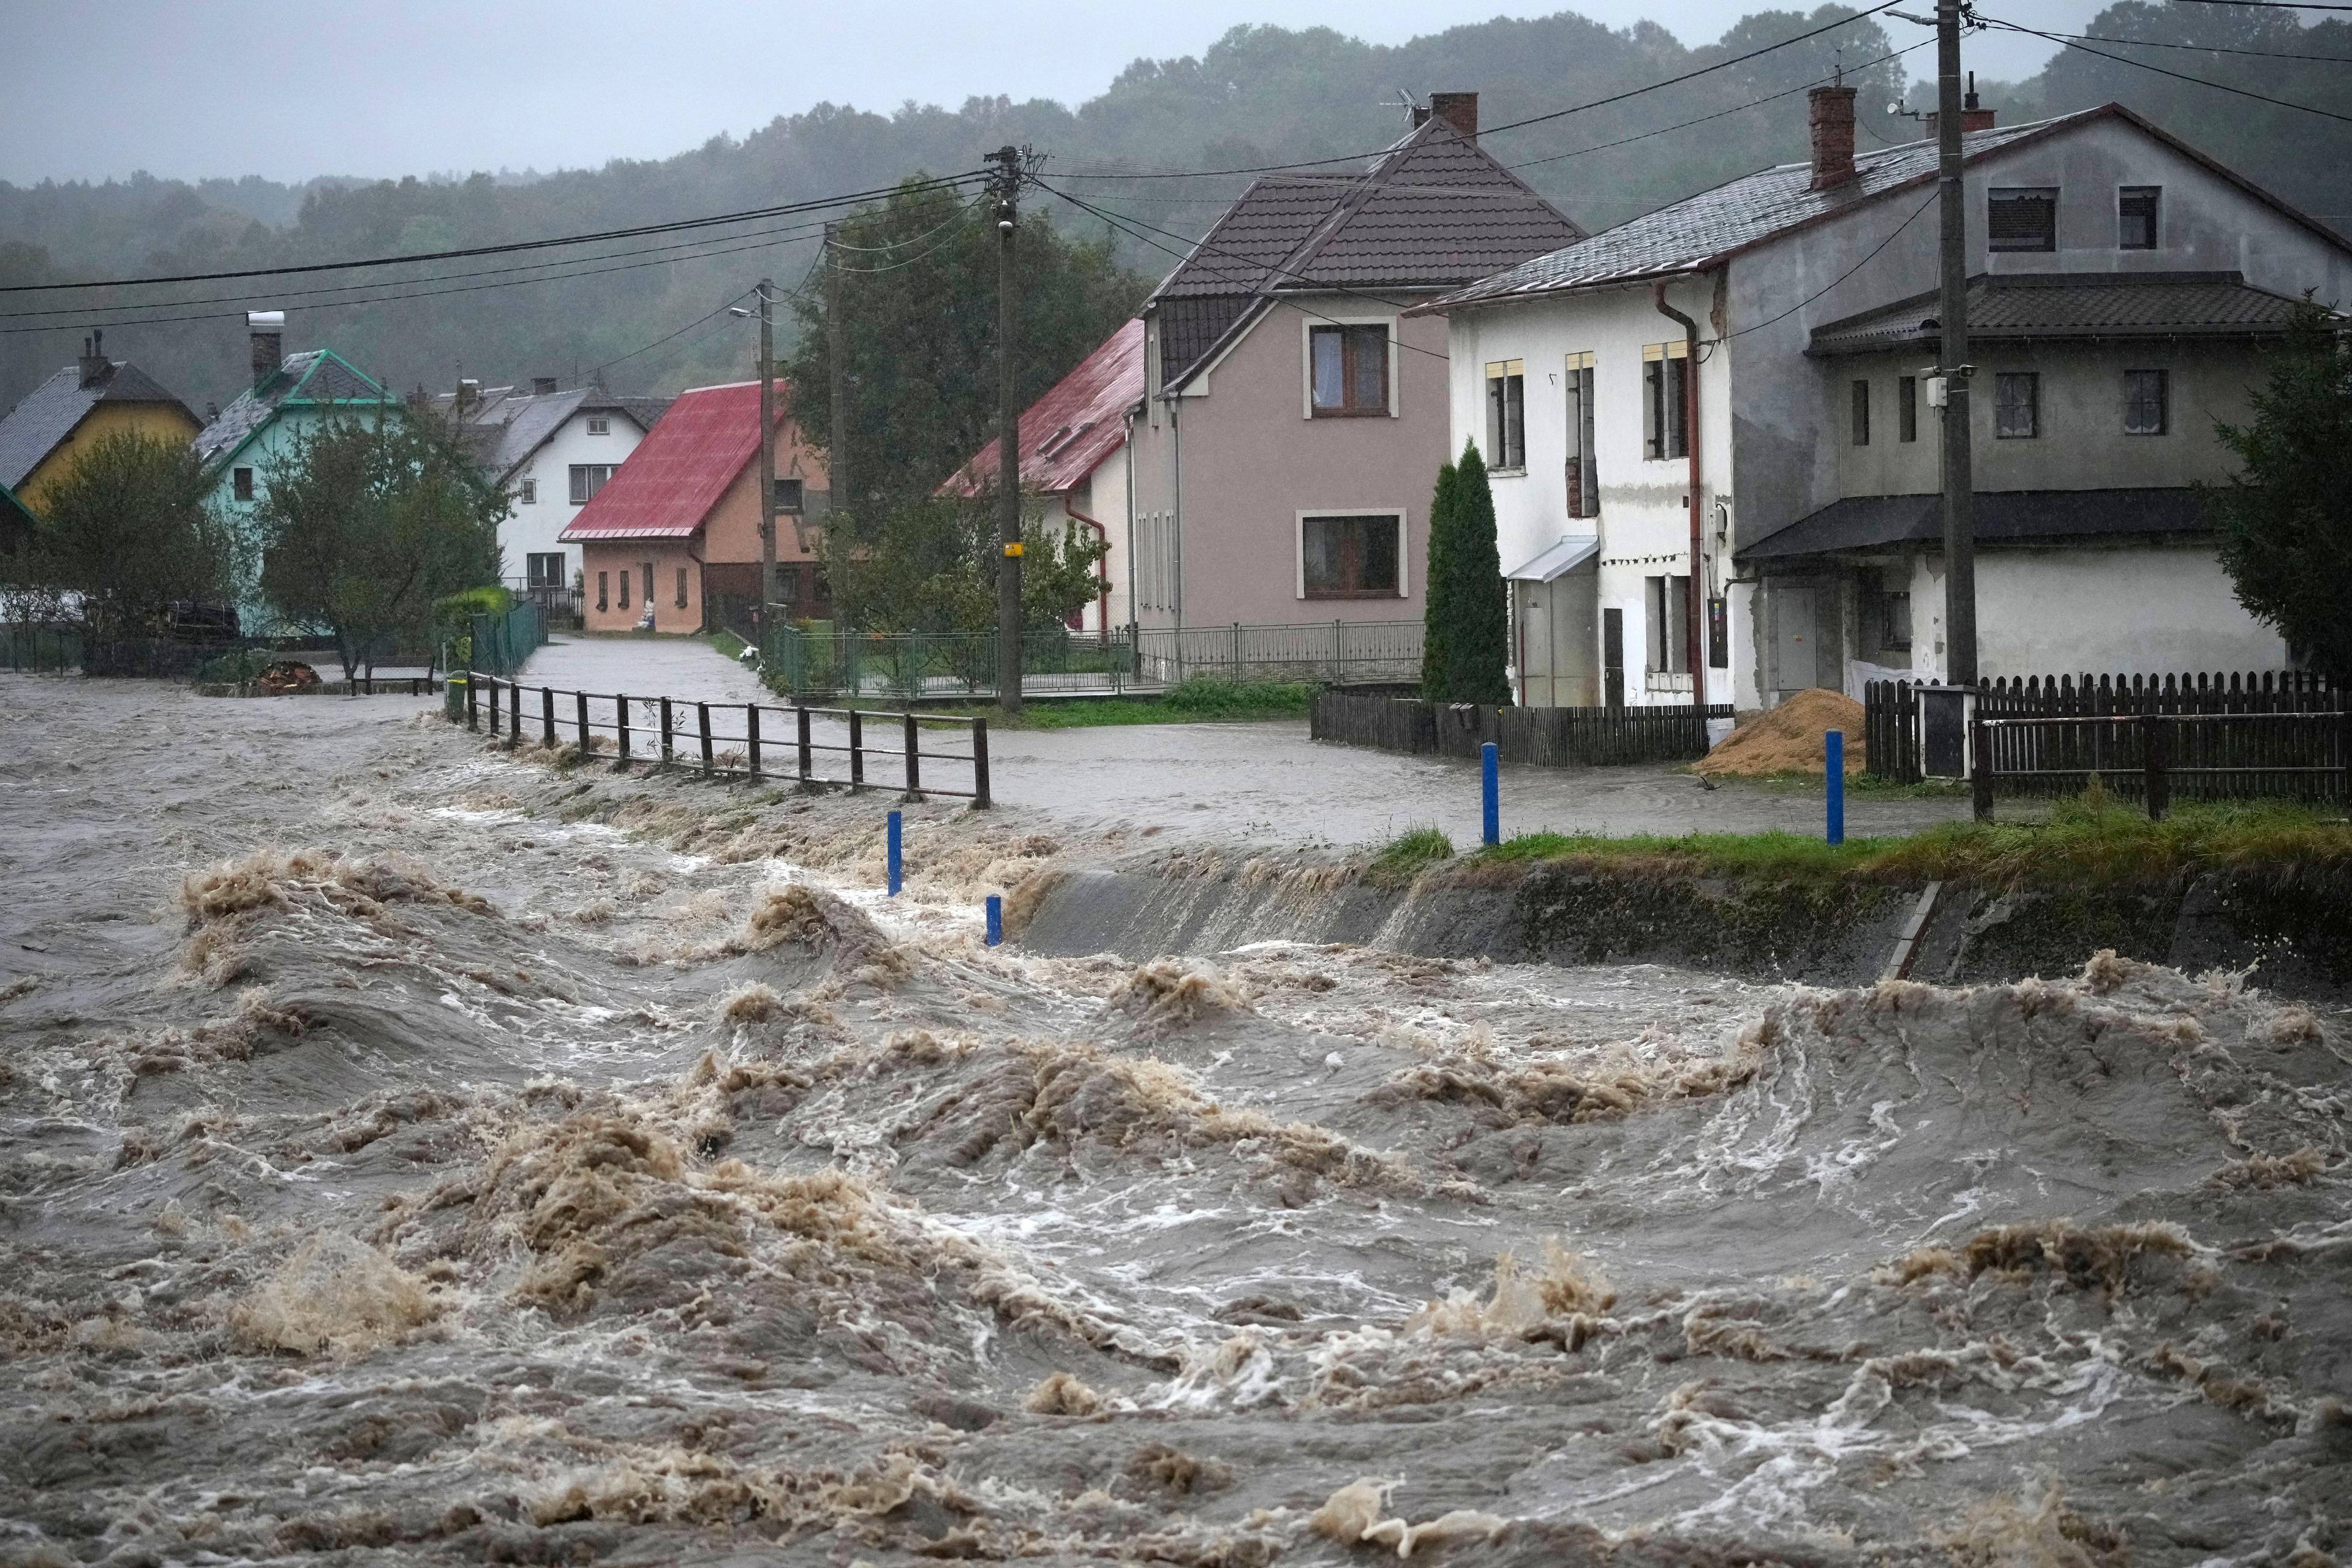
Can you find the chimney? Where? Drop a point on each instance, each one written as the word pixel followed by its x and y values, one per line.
pixel 266 329
pixel 93 359
pixel 540 385
pixel 1972 116
pixel 1833 125
pixel 469 393
pixel 1459 110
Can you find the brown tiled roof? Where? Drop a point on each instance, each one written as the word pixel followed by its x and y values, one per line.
pixel 1432 212
pixel 2071 305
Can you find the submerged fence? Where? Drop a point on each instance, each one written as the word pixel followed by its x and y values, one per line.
pixel 2207 735
pixel 46 647
pixel 909 664
pixel 838 747
pixel 1530 737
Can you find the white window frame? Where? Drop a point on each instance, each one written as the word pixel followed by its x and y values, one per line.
pixel 1503 370
pixel 1306 326
pixel 529 495
pixel 600 424
pixel 1298 548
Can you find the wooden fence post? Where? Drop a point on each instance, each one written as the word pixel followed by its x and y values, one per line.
pixel 979 763
pixel 473 708
pixel 547 717
pixel 1980 768
pixel 702 712
pixel 2152 757
pixel 807 773
pixel 665 731
pixel 914 760
pixel 751 734
pixel 621 723
pixel 494 707
pixel 856 748
pixel 587 741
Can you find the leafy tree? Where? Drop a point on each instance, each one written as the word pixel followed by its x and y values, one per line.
pixel 918 289
pixel 929 564
pixel 129 532
pixel 2285 518
pixel 1466 641
pixel 367 523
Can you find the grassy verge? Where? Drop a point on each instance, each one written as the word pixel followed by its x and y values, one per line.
pixel 2082 841
pixel 1202 700
pixel 727 643
pixel 1408 855
pixel 1863 786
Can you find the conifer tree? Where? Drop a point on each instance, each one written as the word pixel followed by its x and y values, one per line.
pixel 1466 638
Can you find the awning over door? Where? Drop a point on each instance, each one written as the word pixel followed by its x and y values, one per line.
pixel 1557 560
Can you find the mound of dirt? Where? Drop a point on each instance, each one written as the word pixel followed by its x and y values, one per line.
pixel 288 674
pixel 1788 740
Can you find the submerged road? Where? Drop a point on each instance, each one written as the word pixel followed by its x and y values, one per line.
pixel 1267 782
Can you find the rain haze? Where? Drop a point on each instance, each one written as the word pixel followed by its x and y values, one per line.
pixel 288 91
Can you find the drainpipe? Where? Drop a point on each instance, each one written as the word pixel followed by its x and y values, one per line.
pixel 1102 565
pixel 1127 447
pixel 1695 611
pixel 1176 431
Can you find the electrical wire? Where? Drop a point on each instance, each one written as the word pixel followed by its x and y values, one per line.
pixel 964 215
pixel 638 231
pixel 1907 222
pixel 719 310
pixel 2061 38
pixel 2267 5
pixel 2202 48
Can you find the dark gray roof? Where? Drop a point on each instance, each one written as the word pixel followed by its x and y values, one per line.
pixel 503 427
pixel 2056 305
pixel 317 376
pixel 1701 231
pixel 50 412
pixel 2003 517
pixel 1432 212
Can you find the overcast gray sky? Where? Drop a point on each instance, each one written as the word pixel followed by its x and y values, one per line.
pixel 289 88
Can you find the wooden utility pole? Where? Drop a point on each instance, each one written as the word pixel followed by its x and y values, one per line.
pixel 1952 368
pixel 767 450
pixel 1007 191
pixel 836 359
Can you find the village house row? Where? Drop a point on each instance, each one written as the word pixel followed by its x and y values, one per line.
pixel 1259 447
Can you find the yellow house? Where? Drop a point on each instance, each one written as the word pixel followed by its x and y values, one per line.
pixel 45 434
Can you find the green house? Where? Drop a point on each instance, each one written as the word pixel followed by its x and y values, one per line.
pixel 291 394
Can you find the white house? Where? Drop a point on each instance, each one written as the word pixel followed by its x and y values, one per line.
pixel 2124 286
pixel 552 450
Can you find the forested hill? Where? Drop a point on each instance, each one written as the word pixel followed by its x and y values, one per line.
pixel 1259 95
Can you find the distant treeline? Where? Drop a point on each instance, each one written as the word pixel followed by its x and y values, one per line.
pixel 1260 95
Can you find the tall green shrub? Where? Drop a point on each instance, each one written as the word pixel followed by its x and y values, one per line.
pixel 1466 638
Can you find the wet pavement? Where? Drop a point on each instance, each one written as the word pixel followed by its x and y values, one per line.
pixel 1269 781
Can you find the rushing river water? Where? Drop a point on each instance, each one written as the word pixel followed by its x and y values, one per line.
pixel 416 1153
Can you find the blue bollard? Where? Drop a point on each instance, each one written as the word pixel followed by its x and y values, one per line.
pixel 1833 756
pixel 894 854
pixel 995 921
pixel 1491 789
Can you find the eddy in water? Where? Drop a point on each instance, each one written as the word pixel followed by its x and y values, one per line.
pixel 415 1152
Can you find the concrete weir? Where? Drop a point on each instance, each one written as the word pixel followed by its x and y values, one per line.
pixel 2292 926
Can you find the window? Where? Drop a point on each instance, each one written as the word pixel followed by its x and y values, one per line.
pixel 587 479
pixel 1861 414
pixel 649 584
pixel 600 424
pixel 241 481
pixel 2022 218
pixel 1349 557
pixel 1906 408
pixel 681 587
pixel 530 493
pixel 1348 370
pixel 788 583
pixel 791 494
pixel 1665 400
pixel 2144 402
pixel 1583 469
pixel 1506 415
pixel 1894 620
pixel 2135 216
pixel 625 590
pixel 545 568
pixel 603 595
pixel 2016 405
pixel 1669 625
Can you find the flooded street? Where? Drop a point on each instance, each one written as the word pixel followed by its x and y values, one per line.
pixel 412 1152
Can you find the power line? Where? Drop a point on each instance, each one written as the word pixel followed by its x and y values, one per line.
pixel 1907 222
pixel 2267 5
pixel 719 310
pixel 2176 76
pixel 2202 48
pixel 1508 125
pixel 638 231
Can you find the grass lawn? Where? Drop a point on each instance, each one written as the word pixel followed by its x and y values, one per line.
pixel 1204 699
pixel 2083 840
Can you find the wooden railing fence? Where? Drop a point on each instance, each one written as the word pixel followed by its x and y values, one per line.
pixel 1526 737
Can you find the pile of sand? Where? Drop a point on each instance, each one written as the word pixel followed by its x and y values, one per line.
pixel 1788 740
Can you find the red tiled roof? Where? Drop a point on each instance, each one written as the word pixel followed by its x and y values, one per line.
pixel 676 474
pixel 1066 434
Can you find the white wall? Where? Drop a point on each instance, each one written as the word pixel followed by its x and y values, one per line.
pixel 1644 521
pixel 2142 610
pixel 531 529
pixel 1104 498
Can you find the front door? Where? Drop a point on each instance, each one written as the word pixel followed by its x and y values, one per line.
pixel 1794 635
pixel 1613 656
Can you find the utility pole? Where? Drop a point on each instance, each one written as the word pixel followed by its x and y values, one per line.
pixel 1953 368
pixel 1007 191
pixel 767 450
pixel 837 359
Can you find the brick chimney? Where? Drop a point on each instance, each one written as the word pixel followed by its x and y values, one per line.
pixel 1459 110
pixel 93 359
pixel 1973 117
pixel 266 331
pixel 1831 118
pixel 540 385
